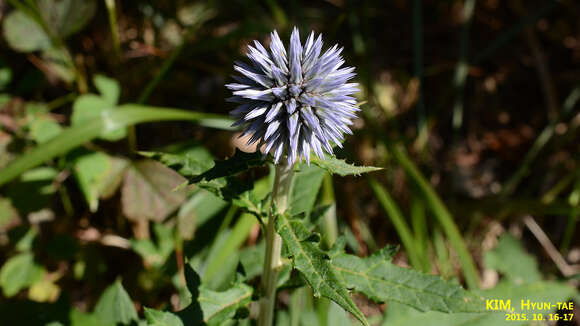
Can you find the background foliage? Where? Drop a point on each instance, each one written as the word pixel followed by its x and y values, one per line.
pixel 470 107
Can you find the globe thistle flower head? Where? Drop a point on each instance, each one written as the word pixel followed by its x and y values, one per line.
pixel 295 101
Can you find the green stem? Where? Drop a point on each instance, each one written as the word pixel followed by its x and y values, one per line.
pixel 112 10
pixel 272 263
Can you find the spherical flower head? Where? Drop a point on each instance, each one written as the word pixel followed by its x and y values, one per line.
pixel 296 101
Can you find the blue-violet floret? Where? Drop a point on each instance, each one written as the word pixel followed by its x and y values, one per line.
pixel 296 101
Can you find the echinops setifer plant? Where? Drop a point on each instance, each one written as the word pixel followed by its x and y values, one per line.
pixel 293 102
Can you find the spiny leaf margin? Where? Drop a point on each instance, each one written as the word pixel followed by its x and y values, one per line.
pixel 314 264
pixel 337 166
pixel 381 280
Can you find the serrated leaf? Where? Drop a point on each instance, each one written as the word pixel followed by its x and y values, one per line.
pixel 188 165
pixel 148 191
pixel 240 162
pixel 108 87
pixel 115 306
pixel 23 33
pixel 161 318
pixel 399 315
pixel 218 307
pixel 340 167
pixel 314 264
pixel 18 273
pixel 518 271
pixel 217 177
pixel 381 280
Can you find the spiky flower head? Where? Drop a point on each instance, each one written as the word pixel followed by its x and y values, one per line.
pixel 296 101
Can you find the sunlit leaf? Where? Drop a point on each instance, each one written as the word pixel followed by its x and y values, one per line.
pixel 18 273
pixel 161 318
pixel 399 315
pixel 381 280
pixel 91 171
pixel 125 115
pixel 43 129
pixel 518 271
pixel 314 264
pixel 108 87
pixel 115 305
pixel 340 167
pixel 88 107
pixel 212 307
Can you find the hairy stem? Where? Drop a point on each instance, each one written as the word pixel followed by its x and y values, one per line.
pixel 272 263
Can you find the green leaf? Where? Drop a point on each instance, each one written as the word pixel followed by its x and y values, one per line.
pixel 217 177
pixel 33 191
pixel 148 191
pixel 156 253
pixel 398 315
pixel 88 107
pixel 23 33
pixel 240 162
pixel 440 211
pixel 211 307
pixel 126 115
pixel 381 280
pixel 18 273
pixel 108 87
pixel 66 17
pixel 218 307
pixel 188 165
pixel 305 185
pixel 78 318
pixel 524 269
pixel 60 63
pixel 340 167
pixel 5 75
pixel 8 214
pixel 115 305
pixel 161 318
pixel 197 210
pixel 43 129
pixel 91 171
pixel 314 264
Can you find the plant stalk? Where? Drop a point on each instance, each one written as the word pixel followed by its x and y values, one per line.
pixel 272 263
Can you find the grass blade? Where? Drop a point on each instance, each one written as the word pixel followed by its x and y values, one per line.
pixel 124 116
pixel 394 213
pixel 441 212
